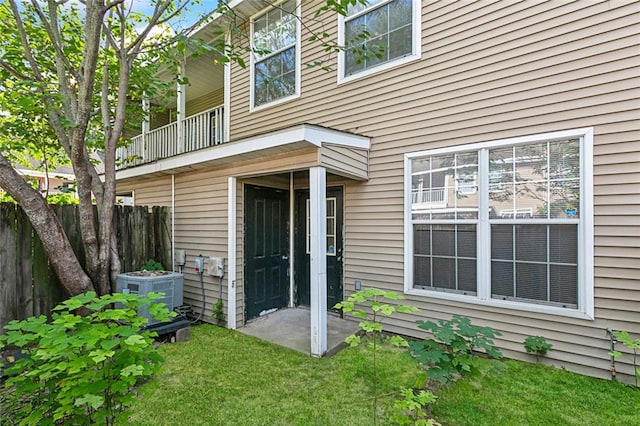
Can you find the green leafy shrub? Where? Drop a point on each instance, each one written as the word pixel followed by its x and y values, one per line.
pixel 81 369
pixel 372 307
pixel 633 344
pixel 217 312
pixel 451 350
pixel 537 345
pixel 411 409
pixel 62 199
pixel 152 265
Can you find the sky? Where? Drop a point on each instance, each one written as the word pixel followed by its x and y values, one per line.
pixel 195 12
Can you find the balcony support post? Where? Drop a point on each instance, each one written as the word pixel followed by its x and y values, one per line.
pixel 318 278
pixel 181 103
pixel 145 125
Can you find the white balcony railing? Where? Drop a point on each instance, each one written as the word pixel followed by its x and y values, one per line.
pixel 429 198
pixel 201 130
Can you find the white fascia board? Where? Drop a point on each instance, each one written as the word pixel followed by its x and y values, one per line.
pixel 319 136
pixel 314 135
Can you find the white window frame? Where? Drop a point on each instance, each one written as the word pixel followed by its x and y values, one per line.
pixel 254 61
pixel 331 230
pixel 585 309
pixel 416 45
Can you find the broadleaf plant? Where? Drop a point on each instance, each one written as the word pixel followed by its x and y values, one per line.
pixel 452 349
pixel 634 344
pixel 537 345
pixel 81 369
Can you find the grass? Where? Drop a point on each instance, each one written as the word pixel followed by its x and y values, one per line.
pixel 221 377
pixel 517 393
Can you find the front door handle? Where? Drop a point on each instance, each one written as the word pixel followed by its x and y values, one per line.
pixel 285 257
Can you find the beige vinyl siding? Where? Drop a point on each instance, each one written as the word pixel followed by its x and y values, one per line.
pixel 204 102
pixel 161 118
pixel 489 70
pixel 193 106
pixel 201 229
pixel 350 160
pixel 149 192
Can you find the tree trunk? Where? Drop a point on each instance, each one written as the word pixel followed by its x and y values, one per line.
pixel 47 226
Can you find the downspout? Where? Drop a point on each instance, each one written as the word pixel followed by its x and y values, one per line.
pixel 173 223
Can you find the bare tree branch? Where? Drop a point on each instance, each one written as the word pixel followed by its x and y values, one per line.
pixel 63 66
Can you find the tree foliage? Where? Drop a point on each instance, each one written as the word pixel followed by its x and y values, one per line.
pixel 73 76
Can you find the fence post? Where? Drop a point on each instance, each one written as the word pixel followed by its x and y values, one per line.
pixel 24 265
pixel 8 288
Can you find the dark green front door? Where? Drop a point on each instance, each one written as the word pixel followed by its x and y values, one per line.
pixel 334 247
pixel 266 249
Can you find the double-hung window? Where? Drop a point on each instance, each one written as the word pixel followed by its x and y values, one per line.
pixel 378 35
pixel 275 36
pixel 506 223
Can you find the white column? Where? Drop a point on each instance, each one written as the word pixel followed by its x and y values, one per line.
pixel 318 279
pixel 146 108
pixel 226 120
pixel 181 105
pixel 231 253
pixel 145 124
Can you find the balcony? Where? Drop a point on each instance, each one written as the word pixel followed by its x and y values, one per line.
pixel 426 199
pixel 195 132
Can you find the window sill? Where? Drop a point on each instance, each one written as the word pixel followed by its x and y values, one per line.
pixel 274 103
pixel 503 304
pixel 382 67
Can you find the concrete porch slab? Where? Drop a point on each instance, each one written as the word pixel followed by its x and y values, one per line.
pixel 291 328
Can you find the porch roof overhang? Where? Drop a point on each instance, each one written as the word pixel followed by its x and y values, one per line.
pixel 342 153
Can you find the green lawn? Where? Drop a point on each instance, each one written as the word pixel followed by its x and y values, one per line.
pixel 517 393
pixel 221 377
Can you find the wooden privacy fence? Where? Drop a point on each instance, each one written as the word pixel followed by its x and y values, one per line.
pixel 28 285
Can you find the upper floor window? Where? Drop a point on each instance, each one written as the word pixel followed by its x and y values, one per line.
pixel 378 35
pixel 275 37
pixel 516 232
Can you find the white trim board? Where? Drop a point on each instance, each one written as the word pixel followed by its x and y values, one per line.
pixel 314 135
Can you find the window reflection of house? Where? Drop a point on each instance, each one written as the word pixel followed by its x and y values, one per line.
pixel 431 190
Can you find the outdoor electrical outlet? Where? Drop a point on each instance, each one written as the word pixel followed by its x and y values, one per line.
pixel 181 256
pixel 215 266
pixel 199 264
pixel 358 285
